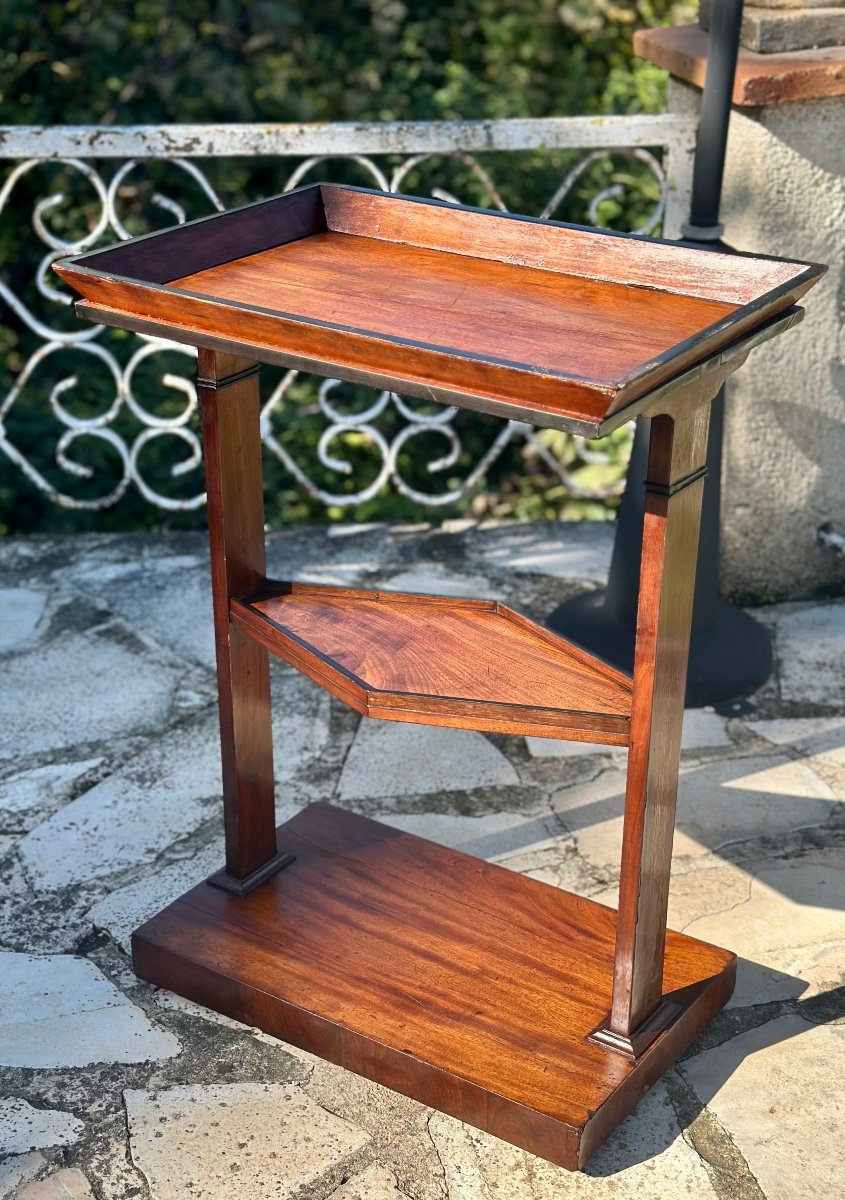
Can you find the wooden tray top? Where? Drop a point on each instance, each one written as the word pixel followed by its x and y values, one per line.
pixel 538 320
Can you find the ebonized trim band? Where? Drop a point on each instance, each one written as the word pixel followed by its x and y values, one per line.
pixel 671 489
pixel 217 385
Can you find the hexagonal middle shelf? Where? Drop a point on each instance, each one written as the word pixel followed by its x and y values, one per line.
pixel 440 661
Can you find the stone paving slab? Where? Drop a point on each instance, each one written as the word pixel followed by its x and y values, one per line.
pixel 398 1127
pixel 89 686
pixel 778 1089
pixel 376 1183
pixel 785 919
pixel 537 548
pixel 181 617
pixel 435 580
pixel 69 1184
pixel 728 801
pixel 161 795
pixel 22 610
pixel 109 807
pixel 790 923
pixel 647 1159
pixel 123 910
pixel 43 786
pixel 817 741
pixel 61 1011
pixel 497 836
pixel 17 1171
pixel 24 1128
pixel 811 647
pixel 396 759
pixel 246 1140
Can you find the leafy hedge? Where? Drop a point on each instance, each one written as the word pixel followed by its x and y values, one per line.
pixel 91 61
pixel 142 62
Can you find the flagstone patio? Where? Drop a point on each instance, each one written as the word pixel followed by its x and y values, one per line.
pixel 109 808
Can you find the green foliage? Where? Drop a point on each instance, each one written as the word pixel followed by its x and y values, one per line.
pixel 95 61
pixel 143 62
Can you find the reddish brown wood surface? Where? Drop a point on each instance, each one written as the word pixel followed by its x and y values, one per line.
pixel 228 390
pixel 454 981
pixel 582 328
pixel 216 239
pixel 466 986
pixel 556 248
pixel 469 663
pixel 677 450
pixel 551 322
pixel 571 403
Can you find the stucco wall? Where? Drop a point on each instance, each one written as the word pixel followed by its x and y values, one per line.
pixel 784 456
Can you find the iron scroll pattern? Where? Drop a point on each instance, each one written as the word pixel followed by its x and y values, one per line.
pixel 122 427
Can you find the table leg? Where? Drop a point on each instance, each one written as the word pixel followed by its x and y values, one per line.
pixel 674 487
pixel 228 390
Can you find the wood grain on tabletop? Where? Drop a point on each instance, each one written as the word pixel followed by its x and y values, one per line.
pixel 582 327
pixel 538 317
pixel 358 350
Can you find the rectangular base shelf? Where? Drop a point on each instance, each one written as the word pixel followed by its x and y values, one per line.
pixel 472 664
pixel 454 981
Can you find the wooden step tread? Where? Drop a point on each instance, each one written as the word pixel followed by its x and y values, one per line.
pixel 473 664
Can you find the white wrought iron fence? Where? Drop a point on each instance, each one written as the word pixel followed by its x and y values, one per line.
pixel 105 430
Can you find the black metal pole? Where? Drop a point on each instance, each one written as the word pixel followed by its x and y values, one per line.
pixel 730 653
pixel 712 141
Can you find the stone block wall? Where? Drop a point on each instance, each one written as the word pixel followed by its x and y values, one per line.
pixel 784 452
pixel 784 194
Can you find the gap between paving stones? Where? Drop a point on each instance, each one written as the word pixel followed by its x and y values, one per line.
pixel 729 1173
pixel 210 1055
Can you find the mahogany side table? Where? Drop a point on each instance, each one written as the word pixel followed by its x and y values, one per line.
pixel 537 1015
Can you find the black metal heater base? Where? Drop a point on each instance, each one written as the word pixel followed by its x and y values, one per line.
pixel 730 656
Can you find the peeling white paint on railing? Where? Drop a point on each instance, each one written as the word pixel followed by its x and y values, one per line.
pixel 345 137
pixel 312 146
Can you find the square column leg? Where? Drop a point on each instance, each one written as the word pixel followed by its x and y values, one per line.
pixel 674 487
pixel 228 390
